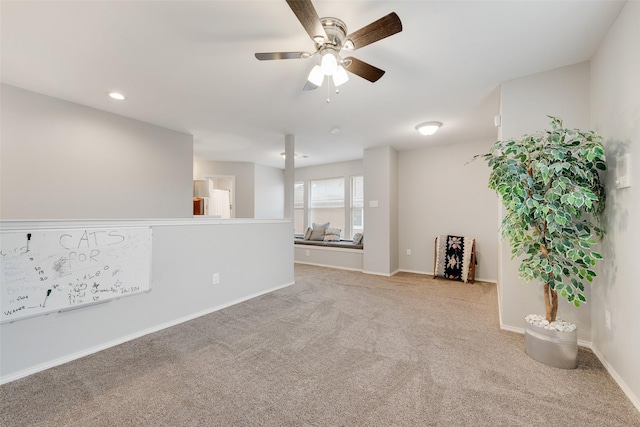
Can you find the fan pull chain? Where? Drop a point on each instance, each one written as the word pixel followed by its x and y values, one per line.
pixel 328 90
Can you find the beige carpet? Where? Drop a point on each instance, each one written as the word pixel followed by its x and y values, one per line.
pixel 337 348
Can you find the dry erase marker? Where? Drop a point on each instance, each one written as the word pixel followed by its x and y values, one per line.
pixel 45 298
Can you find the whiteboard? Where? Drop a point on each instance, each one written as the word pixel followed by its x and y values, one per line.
pixel 43 271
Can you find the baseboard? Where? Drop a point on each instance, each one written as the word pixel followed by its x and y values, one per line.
pixel 377 273
pixel 71 357
pixel 581 343
pixel 329 266
pixel 617 378
pixel 430 273
pixel 511 329
pixel 426 273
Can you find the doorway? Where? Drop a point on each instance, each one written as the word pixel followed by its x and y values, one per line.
pixel 221 202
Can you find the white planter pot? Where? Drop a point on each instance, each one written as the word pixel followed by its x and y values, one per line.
pixel 554 348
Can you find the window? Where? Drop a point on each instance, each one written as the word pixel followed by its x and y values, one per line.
pixel 357 205
pixel 327 202
pixel 298 207
pixel 338 201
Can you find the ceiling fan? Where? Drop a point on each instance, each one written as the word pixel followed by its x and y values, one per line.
pixel 330 37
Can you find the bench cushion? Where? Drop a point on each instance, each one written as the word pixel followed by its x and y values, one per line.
pixel 346 244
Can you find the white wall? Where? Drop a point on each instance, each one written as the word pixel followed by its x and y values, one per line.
pixel 380 231
pixel 269 192
pixel 332 170
pixel 615 114
pixel 441 193
pixel 64 160
pixel 346 259
pixel 244 173
pixel 185 254
pixel 525 104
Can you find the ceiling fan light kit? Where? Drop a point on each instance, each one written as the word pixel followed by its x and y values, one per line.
pixel 316 76
pixel 329 63
pixel 330 37
pixel 340 76
pixel 428 128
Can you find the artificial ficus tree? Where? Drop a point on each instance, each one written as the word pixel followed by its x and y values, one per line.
pixel 551 189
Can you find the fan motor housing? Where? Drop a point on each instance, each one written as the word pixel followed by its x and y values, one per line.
pixel 336 31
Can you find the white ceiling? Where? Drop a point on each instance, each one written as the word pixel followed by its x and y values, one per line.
pixel 190 66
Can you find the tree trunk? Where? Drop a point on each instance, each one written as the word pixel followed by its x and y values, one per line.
pixel 550 303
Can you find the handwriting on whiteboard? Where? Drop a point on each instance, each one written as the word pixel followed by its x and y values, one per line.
pixel 53 270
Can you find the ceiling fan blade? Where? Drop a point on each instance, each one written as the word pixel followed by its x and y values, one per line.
pixel 377 30
pixel 364 70
pixel 308 17
pixel 266 56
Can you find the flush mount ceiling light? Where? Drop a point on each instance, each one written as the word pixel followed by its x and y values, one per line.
pixel 117 95
pixel 428 128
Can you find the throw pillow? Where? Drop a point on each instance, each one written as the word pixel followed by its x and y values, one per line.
pixel 357 239
pixel 318 231
pixel 307 233
pixel 332 235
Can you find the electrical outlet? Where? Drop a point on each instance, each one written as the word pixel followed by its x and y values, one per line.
pixel 408 251
pixel 216 278
pixel 607 319
pixel 307 252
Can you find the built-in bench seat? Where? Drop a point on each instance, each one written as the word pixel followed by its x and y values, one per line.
pixel 337 254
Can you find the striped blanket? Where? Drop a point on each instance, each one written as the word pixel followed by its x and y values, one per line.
pixel 453 257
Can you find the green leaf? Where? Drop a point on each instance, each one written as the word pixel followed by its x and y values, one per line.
pixel 550 182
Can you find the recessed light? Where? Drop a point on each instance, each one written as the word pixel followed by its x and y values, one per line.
pixel 335 130
pixel 428 128
pixel 116 95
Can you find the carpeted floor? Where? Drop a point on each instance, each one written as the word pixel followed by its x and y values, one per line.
pixel 338 348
